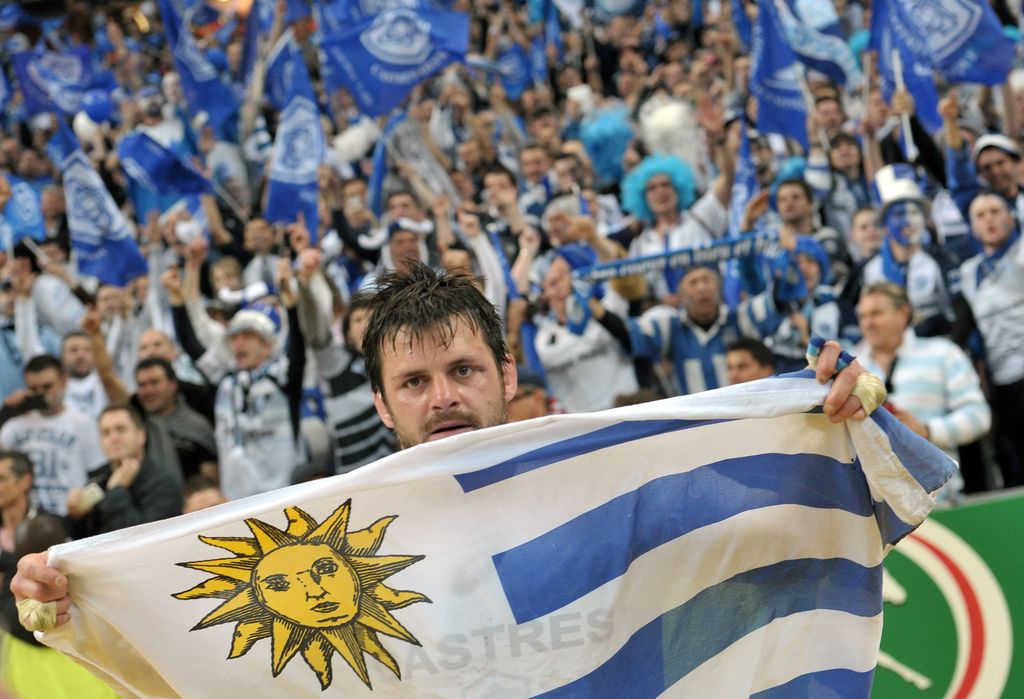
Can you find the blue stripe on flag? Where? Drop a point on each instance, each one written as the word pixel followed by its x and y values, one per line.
pixel 670 647
pixel 577 446
pixel 599 545
pixel 911 450
pixel 827 683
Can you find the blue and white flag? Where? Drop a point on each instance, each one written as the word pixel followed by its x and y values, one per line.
pixel 918 76
pixel 773 79
pixel 380 59
pixel 538 61
pixel 742 23
pixel 5 90
pixel 159 169
pixel 721 544
pixel 52 81
pixel 102 238
pixel 813 31
pixel 23 212
pixel 298 150
pixel 745 185
pixel 375 186
pixel 514 65
pixel 261 20
pixel 200 82
pixel 961 39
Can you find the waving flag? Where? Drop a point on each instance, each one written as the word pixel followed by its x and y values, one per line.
pixel 741 22
pixel 53 81
pixel 101 236
pixel 774 80
pixel 381 58
pixel 375 186
pixel 23 212
pixel 261 20
pixel 812 28
pixel 918 76
pixel 158 168
pixel 961 39
pixel 720 544
pixel 298 148
pixel 200 82
pixel 515 71
pixel 5 91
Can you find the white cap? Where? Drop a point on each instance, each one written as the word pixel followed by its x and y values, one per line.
pixel 896 183
pixel 253 322
pixel 998 141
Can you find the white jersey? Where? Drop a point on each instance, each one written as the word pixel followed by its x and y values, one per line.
pixel 706 220
pixel 63 449
pixel 926 285
pixel 584 372
pixel 998 307
pixel 256 442
pixel 86 395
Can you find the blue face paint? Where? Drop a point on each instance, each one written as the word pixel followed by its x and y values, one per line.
pixel 905 221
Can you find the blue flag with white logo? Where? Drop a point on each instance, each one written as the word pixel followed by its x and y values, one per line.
pixel 200 82
pixel 773 78
pixel 514 65
pixel 380 59
pixel 812 29
pixel 298 150
pixel 918 76
pixel 261 20
pixel 742 23
pixel 538 60
pixel 158 168
pixel 101 236
pixel 961 39
pixel 52 81
pixel 23 212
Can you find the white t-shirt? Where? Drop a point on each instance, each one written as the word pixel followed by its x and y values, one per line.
pixel 86 394
pixel 998 307
pixel 63 449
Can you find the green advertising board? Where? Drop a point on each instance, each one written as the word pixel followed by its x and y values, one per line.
pixel 954 605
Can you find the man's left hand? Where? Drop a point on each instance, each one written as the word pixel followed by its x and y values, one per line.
pixel 840 404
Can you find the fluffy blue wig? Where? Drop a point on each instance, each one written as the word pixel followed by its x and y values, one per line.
pixel 634 200
pixel 606 137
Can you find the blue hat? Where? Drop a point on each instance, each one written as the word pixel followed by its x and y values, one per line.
pixel 577 255
pixel 806 245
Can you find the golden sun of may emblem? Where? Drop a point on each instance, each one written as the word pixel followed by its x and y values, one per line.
pixel 313 589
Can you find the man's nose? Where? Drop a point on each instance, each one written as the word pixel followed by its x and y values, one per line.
pixel 444 393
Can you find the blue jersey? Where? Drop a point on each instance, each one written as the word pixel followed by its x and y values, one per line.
pixel 698 355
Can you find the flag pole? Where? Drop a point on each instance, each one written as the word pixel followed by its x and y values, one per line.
pixel 908 136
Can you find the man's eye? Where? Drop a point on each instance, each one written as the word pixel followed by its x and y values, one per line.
pixel 463 371
pixel 414 382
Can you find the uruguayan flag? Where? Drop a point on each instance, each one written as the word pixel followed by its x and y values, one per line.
pixel 774 80
pixel 101 236
pixel 298 148
pixel 51 80
pixel 200 82
pixel 812 29
pixel 23 212
pixel 380 58
pixel 716 545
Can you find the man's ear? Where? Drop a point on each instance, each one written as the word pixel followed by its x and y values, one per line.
pixel 510 378
pixel 382 410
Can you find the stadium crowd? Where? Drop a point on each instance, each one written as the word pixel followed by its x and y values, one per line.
pixel 233 365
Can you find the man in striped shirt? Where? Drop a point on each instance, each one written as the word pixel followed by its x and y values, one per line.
pixel 933 387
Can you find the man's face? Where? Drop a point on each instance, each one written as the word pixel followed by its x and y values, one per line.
pixel 49 384
pixel 76 356
pixel 557 283
pixel 354 189
pixel 881 323
pixel 845 154
pixel 259 237
pixel 905 221
pixel 109 301
pixel 51 203
pixel 534 164
pixel 153 343
pixel 499 188
pixel 794 206
pixel 999 170
pixel 436 386
pixel 404 246
pixel 565 174
pixel 990 221
pixel 249 349
pixel 529 402
pixel 865 234
pixel 156 391
pixel 662 197
pixel 469 153
pixel 13 489
pixel 742 367
pixel 809 269
pixel 403 206
pixel 830 114
pixel 700 293
pixel 120 438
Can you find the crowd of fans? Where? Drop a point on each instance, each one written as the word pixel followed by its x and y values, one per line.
pixel 234 367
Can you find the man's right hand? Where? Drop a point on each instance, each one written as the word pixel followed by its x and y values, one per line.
pixel 37 580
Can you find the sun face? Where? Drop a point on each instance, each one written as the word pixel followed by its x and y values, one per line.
pixel 314 589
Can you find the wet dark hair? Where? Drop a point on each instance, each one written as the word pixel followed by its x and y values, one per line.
pixel 425 300
pixel 133 414
pixel 21 465
pixel 42 362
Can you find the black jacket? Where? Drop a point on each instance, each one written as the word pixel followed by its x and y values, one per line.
pixel 156 493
